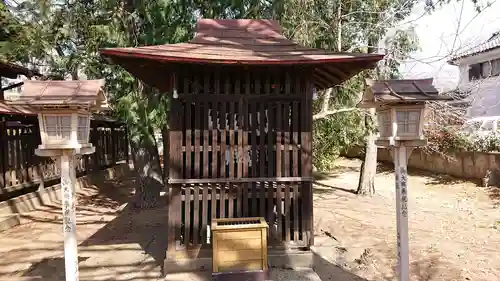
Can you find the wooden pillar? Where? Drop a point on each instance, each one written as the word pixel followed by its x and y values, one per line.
pixel 3 152
pixel 306 158
pixel 174 153
pixel 94 139
pixel 126 144
pixel 113 143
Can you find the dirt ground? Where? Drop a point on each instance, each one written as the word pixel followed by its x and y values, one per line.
pixel 454 233
pixel 454 226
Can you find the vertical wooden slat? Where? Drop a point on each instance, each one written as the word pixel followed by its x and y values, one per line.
pixel 222 201
pixel 241 147
pixel 174 154
pixel 248 156
pixel 231 139
pixel 255 158
pixel 232 150
pixel 206 132
pixel 279 124
pixel 306 192
pixel 258 133
pixel 223 128
pixel 188 131
pixel 206 163
pixel 204 214
pixel 215 144
pixel 12 159
pixel 286 128
pixel 213 200
pixel 197 137
pixel 295 164
pixel 3 152
pixel 174 218
pixel 262 153
pixel 279 118
pixel 198 168
pixel 245 126
pixel 271 142
pixel 177 169
pixel 196 214
pixel 230 198
pixel 187 214
pixel 215 122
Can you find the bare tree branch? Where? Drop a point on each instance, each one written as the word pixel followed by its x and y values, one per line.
pixel 324 114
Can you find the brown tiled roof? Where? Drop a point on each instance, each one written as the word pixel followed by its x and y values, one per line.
pixel 60 93
pixel 6 108
pixel 10 70
pixel 492 43
pixel 402 90
pixel 247 42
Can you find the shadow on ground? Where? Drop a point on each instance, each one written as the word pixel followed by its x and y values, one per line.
pixel 328 271
pixel 328 189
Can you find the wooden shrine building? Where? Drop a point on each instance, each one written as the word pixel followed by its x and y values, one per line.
pixel 240 127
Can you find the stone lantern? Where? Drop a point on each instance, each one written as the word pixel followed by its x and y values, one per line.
pixel 64 113
pixel 400 106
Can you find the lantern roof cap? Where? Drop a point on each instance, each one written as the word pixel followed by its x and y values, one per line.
pixel 66 93
pixel 401 91
pixel 7 109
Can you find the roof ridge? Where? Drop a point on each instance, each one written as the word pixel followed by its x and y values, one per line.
pixel 491 43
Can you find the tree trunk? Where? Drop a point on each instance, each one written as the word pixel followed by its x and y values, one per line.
pixel 149 175
pixel 366 185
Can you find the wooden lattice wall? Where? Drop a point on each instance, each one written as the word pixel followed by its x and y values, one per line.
pixel 240 146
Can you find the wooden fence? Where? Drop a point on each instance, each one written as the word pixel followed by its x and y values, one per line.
pixel 21 169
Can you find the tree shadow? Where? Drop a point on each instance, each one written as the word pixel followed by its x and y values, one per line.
pixel 330 188
pixel 335 172
pixel 329 271
pixel 435 178
pixel 49 268
pixel 494 194
pixel 144 227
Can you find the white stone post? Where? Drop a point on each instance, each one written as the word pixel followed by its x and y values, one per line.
pixel 67 158
pixel 68 185
pixel 400 156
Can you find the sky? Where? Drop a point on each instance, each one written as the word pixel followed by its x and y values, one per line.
pixel 454 27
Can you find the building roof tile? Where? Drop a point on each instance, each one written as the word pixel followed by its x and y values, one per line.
pixel 247 42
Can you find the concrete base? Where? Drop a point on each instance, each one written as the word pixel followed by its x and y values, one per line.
pixel 50 194
pixel 274 274
pixel 287 259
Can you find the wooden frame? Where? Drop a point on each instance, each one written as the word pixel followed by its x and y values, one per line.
pixel 239 246
pixel 240 145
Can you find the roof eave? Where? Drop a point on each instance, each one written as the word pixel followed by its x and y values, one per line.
pixel 108 54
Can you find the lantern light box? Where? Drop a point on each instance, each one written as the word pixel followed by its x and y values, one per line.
pixel 64 110
pixel 400 106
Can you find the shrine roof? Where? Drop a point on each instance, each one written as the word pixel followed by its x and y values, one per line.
pixel 245 42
